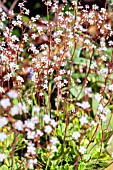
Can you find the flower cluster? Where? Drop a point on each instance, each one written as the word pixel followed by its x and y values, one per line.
pixel 56 85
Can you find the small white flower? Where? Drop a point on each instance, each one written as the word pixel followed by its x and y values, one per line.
pixel 103 117
pixel 24 108
pixel 54 148
pixel 110 43
pixel 95 7
pixel 1 90
pixel 30 162
pixel 74 2
pixel 25 37
pixel 33 19
pixel 70 44
pixel 93 123
pixel 30 148
pixel 37 17
pixel 1 9
pixel 106 111
pixel 87 6
pixel 27 12
pixel 98 97
pixel 18 125
pixel 87 41
pixel 29 124
pixel 85 105
pixel 48 129
pixel 31 166
pixel 103 10
pixel 19 78
pixel 83 120
pixel 88 91
pixel 5 103
pixel 39 132
pixel 29 101
pixel 100 108
pixel 54 140
pixel 14 110
pixel 21 5
pixel 82 149
pixel 36 108
pixel 78 80
pixel 73 109
pixel 93 65
pixel 2 156
pixel 57 40
pixel 12 94
pixel 53 123
pixel 76 135
pixel 3 121
pixel 35 161
pixel 3 136
pixel 103 71
pixel 30 134
pixel 110 87
pixel 34 119
pixel 49 3
pixel 45 86
pixel 34 36
pixel 103 57
pixel 46 118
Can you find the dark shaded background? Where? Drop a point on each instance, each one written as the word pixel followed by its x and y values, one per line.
pixel 38 7
pixel 35 6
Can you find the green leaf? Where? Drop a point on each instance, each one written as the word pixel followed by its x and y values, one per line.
pixel 86 157
pixel 109 119
pixel 109 148
pixel 95 104
pixel 37 5
pixel 81 166
pixel 103 164
pixel 59 133
pixel 4 167
pixel 7 162
pixel 77 53
pixel 98 135
pixel 78 75
pixel 82 61
pixel 109 53
pixel 74 147
pixel 25 18
pixel 16 32
pixel 15 101
pixel 66 167
pixel 70 167
pixel 78 91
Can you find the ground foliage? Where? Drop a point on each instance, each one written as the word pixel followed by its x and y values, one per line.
pixel 56 88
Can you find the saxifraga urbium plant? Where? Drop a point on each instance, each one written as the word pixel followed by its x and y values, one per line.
pixel 56 97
